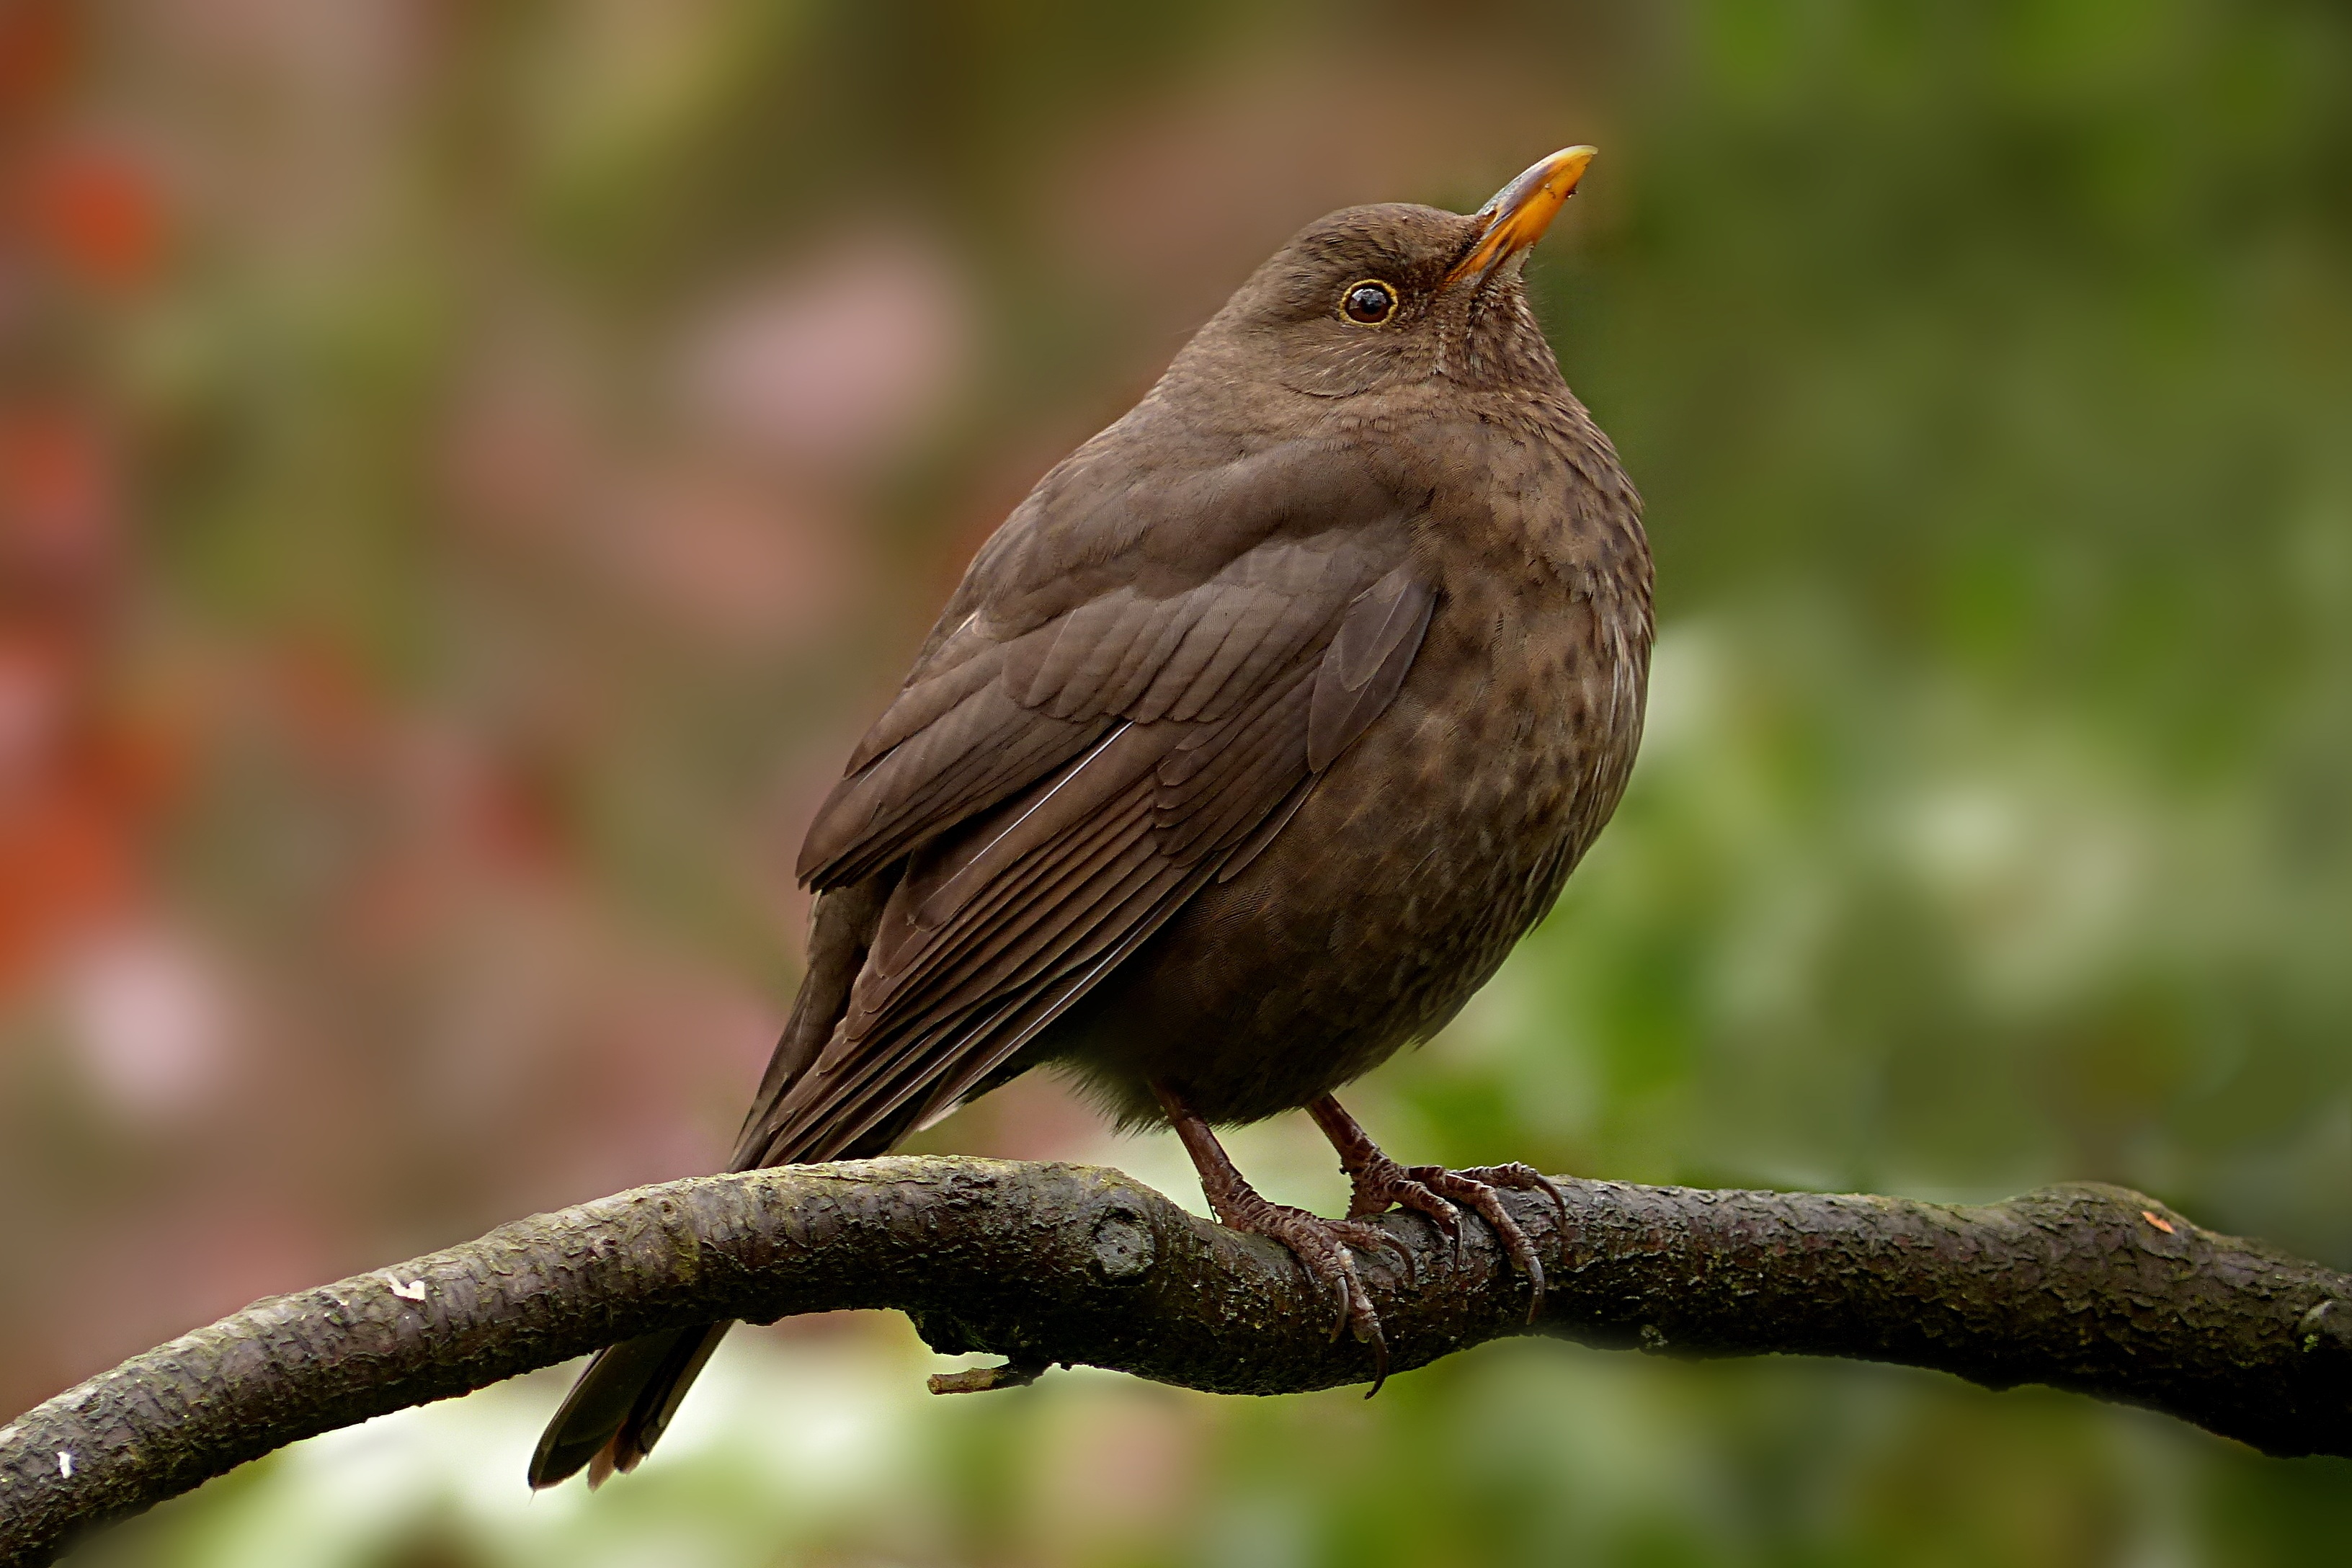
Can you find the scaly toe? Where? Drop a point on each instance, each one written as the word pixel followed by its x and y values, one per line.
pixel 1381 1183
pixel 1404 1192
pixel 1477 1191
pixel 1526 1179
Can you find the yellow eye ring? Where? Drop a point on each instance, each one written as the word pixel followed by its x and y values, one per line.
pixel 1368 302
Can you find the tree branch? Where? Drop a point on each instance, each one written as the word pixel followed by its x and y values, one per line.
pixel 2086 1287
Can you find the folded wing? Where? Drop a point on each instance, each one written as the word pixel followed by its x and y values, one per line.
pixel 1136 684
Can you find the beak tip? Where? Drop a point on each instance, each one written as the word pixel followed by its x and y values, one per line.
pixel 1522 210
pixel 1569 163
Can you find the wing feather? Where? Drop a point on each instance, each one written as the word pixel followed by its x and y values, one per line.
pixel 1369 659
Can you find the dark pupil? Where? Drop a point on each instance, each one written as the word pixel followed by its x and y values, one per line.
pixel 1367 303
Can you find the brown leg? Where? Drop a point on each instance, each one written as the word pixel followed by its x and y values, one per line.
pixel 1320 1245
pixel 1381 1182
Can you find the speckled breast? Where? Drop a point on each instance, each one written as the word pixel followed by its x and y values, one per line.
pixel 1416 863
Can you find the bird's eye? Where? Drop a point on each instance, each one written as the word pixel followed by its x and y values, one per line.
pixel 1369 302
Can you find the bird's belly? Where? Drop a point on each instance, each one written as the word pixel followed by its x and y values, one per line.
pixel 1411 870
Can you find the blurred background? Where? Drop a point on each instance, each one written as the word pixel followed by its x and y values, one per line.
pixel 468 471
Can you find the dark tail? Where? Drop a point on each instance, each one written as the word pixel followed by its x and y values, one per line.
pixel 618 1409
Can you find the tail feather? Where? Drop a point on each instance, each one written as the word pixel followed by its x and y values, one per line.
pixel 617 1410
pixel 621 1404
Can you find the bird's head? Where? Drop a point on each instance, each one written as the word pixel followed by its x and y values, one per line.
pixel 1378 297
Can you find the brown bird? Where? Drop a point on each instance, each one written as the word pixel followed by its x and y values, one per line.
pixel 1249 745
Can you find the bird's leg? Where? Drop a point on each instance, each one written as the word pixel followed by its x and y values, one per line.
pixel 1380 1181
pixel 1320 1245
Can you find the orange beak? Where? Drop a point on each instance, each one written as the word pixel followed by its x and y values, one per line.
pixel 1520 213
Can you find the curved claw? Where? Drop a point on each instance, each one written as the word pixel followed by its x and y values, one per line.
pixel 1356 1308
pixel 1476 1190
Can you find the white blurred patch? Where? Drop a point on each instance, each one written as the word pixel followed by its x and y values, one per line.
pixel 2045 874
pixel 148 1013
pixel 1686 688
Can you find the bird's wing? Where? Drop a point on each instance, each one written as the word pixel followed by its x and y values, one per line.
pixel 1136 685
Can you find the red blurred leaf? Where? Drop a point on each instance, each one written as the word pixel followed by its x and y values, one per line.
pixel 70 867
pixel 99 213
pixel 79 794
pixel 58 512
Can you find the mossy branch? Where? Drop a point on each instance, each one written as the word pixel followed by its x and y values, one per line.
pixel 2087 1288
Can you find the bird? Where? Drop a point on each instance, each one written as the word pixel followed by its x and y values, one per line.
pixel 1250 743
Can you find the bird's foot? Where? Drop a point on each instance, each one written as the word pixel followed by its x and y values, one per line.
pixel 1381 1183
pixel 1322 1246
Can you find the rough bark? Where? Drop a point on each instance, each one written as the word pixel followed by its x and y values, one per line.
pixel 2087 1288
